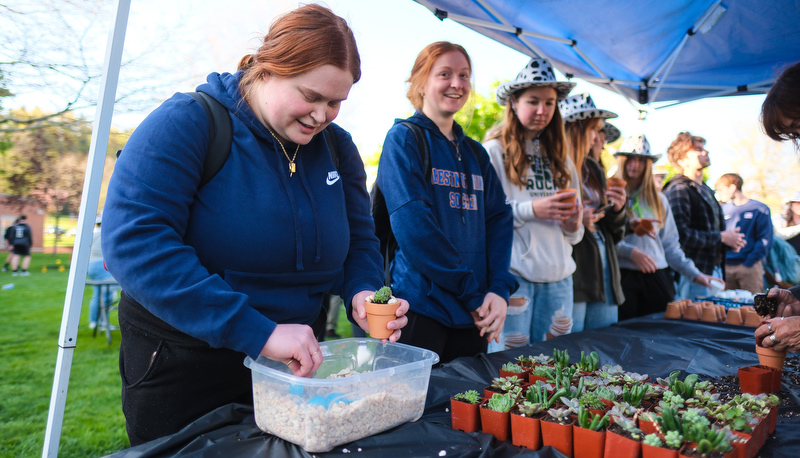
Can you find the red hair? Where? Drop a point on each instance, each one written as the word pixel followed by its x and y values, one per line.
pixel 299 41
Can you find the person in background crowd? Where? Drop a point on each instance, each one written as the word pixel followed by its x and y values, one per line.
pixel 97 271
pixel 780 116
pixel 647 253
pixel 452 223
pixel 744 269
pixel 240 265
pixel 790 222
pixel 596 281
pixel 8 236
pixel 22 241
pixel 529 152
pixel 698 215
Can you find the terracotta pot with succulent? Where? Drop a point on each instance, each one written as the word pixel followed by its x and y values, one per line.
pixel 495 418
pixel 592 402
pixel 623 439
pixel 589 434
pixel 381 308
pixel 607 395
pixel 557 429
pixel 541 373
pixel 464 411
pixel 654 447
pixel 588 363
pixel 510 368
pixel 525 425
pixel 648 422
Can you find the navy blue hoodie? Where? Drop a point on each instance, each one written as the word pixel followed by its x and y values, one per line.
pixel 454 230
pixel 250 249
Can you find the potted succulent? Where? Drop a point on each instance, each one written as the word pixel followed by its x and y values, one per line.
pixel 502 385
pixel 588 434
pixel 654 447
pixel 543 373
pixel 381 308
pixel 464 411
pixel 510 368
pixel 623 439
pixel 557 429
pixel 591 401
pixel 495 418
pixel 711 442
pixel 561 357
pixel 526 426
pixel 608 394
pixel 589 363
pixel 648 422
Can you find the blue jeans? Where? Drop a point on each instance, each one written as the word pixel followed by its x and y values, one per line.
pixel 686 289
pixel 545 299
pixel 595 315
pixel 98 272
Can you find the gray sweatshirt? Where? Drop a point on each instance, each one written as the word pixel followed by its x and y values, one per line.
pixel 665 251
pixel 542 250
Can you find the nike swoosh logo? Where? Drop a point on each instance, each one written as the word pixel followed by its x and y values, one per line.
pixel 330 181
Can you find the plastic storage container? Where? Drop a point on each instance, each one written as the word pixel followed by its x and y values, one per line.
pixel 388 386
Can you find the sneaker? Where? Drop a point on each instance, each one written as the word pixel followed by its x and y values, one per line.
pixel 92 325
pixel 15 274
pixel 24 273
pixel 5 269
pixel 103 327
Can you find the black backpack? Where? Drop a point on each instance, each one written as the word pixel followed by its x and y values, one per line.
pixel 220 133
pixel 379 212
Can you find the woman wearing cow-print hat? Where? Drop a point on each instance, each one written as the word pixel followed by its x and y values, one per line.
pixel 530 156
pixel 596 282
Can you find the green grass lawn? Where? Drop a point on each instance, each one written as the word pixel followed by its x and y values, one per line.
pixel 93 423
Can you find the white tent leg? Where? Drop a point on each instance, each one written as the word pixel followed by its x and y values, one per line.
pixel 83 242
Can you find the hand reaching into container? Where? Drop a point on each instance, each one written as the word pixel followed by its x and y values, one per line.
pixel 296 346
pixel 360 315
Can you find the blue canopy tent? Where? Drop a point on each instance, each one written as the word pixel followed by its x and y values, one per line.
pixel 646 50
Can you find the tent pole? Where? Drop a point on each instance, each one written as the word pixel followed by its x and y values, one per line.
pixel 73 299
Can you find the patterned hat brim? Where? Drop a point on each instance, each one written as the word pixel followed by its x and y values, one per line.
pixel 612 133
pixel 654 157
pixel 590 113
pixel 505 90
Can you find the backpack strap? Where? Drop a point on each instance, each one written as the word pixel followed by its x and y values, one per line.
pixel 422 144
pixel 220 133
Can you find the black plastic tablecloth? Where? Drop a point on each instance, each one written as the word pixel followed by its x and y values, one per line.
pixel 650 345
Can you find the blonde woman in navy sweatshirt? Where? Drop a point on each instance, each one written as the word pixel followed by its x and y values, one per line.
pixel 240 265
pixel 452 223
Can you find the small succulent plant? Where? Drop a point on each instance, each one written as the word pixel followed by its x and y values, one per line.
pixel 382 296
pixel 529 409
pixel 652 440
pixel 512 367
pixel 500 402
pixel 470 396
pixel 560 415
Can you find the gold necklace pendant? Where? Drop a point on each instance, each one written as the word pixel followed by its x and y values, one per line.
pixel 292 166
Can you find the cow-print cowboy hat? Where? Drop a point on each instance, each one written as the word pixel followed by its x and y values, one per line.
pixel 637 145
pixel 581 106
pixel 612 133
pixel 538 73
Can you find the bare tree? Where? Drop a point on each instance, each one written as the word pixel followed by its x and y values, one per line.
pixel 51 56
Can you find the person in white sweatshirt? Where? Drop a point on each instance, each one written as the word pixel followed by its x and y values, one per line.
pixel 529 153
pixel 647 252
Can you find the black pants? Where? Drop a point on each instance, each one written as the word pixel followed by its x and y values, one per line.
pixel 170 379
pixel 448 343
pixel 645 293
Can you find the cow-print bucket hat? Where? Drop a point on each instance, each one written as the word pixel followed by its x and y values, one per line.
pixel 637 145
pixel 538 73
pixel 581 106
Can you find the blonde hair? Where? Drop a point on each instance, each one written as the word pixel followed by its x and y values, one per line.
pixel 516 162
pixel 578 138
pixel 648 189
